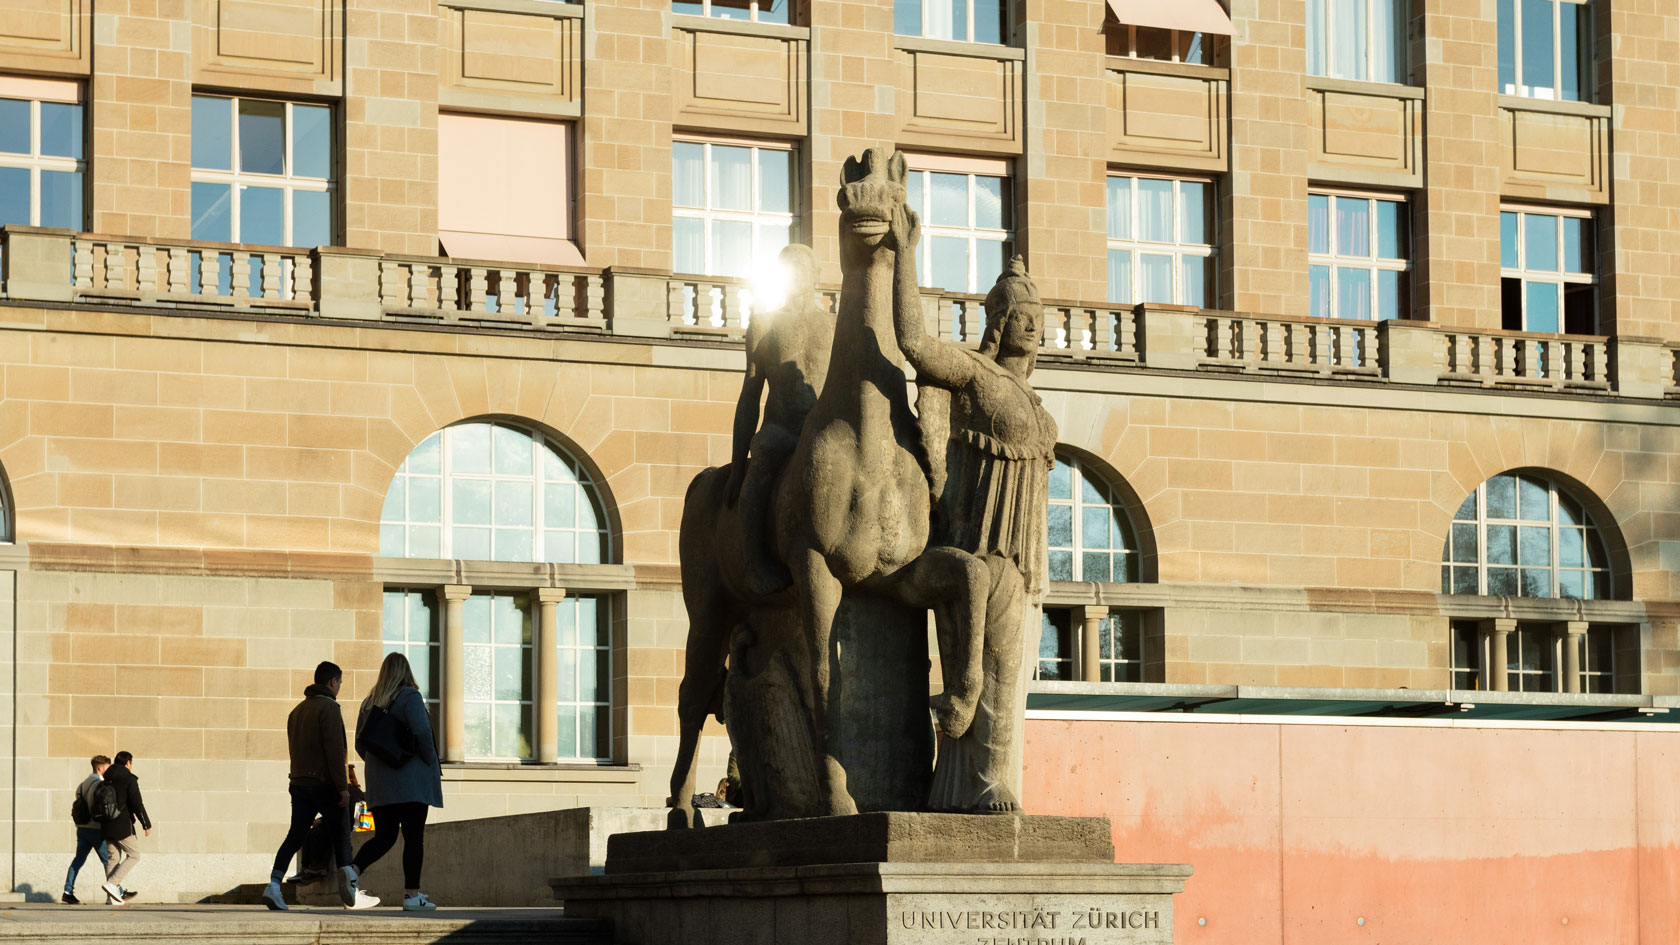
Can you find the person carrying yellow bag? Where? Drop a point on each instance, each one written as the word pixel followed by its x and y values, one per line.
pixel 394 738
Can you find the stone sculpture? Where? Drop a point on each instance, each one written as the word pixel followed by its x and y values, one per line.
pixel 825 690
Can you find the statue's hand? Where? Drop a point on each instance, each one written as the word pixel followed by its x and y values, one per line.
pixel 905 228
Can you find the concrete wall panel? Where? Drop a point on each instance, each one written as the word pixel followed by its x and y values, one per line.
pixel 1166 119
pixel 291 46
pixel 1554 155
pixel 974 99
pixel 733 82
pixel 45 36
pixel 1362 138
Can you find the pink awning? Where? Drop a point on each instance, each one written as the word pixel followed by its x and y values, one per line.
pixel 1199 16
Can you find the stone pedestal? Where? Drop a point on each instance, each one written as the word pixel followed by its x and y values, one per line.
pixel 879 879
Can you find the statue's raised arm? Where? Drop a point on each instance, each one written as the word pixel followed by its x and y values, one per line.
pixel 939 363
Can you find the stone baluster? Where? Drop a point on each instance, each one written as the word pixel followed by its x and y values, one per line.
pixel 1079 331
pixel 179 266
pixel 82 263
pixel 1222 338
pixel 676 302
pixel 1577 354
pixel 729 307
pixel 595 299
pixel 115 278
pixel 209 272
pixel 303 277
pixel 146 268
pixel 241 275
pixel 477 289
pixel 1102 321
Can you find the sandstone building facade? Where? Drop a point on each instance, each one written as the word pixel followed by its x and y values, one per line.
pixel 329 328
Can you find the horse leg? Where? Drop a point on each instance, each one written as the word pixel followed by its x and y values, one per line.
pixel 956 586
pixel 819 594
pixel 701 691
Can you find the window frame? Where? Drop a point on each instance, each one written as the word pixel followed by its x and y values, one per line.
pixel 1178 249
pixel 526 606
pixel 1335 261
pixel 1591 533
pixel 606 613
pixel 34 92
pixel 973 234
pixel 1005 28
pixel 1116 625
pixel 1066 644
pixel 754 218
pixel 1131 556
pixel 588 488
pixel 428 598
pixel 753 7
pixel 1321 58
pixel 1199 43
pixel 289 183
pixel 1554 92
pixel 1559 277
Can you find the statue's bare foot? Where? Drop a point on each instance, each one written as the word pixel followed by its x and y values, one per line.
pixel 950 715
pixel 681 816
pixel 997 800
pixel 766 578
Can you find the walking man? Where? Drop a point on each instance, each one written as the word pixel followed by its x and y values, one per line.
pixel 119 831
pixel 89 838
pixel 319 785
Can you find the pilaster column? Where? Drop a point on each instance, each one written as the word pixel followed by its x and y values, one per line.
pixel 1496 637
pixel 1571 633
pixel 454 673
pixel 1090 644
pixel 548 673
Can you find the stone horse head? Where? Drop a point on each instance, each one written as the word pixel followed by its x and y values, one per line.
pixel 870 190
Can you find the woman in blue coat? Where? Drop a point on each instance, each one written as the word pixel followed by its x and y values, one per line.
pixel 400 796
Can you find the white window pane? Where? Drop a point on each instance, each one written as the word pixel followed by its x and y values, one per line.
pixel 1537 46
pixel 1347 52
pixel 14 196
pixel 950 264
pixel 988 21
pixel 391 541
pixel 1318 291
pixel 1540 242
pixel 1315 37
pixel 1318 223
pixel 212 211
pixel 1577 245
pixel 731 248
pixel 469 448
pixel 1508 250
pixel 1119 208
pixel 510 672
pixel 471 498
pixel 775 190
pixel 425 541
pixel 937 19
pixel 689 244
pixel 1156 271
pixel 212 133
pixel 1353 293
pixel 560 547
pixel 988 263
pixel 1120 276
pixel 1192 212
pixel 688 188
pixel 1389 293
pixel 1391 229
pixel 1387 53
pixel 1540 311
pixel 508 620
pixel 395 501
pixel 262 137
pixel 1574 53
pixel 478 730
pixel 1507 47
pixel 479 679
pixel 1353 226
pixel 950 200
pixel 514 503
pixel 1193 275
pixel 913 193
pixel 560 501
pixel 1155 213
pixel 311 141
pixel 988 203
pixel 731 178
pixel 772 238
pixel 61 199
pixel 61 129
pixel 311 218
pixel 513 449
pixel 907 17
pixel 568 730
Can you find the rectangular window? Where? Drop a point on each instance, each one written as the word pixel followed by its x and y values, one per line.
pixel 1055 644
pixel 262 172
pixel 1120 647
pixel 1466 655
pixel 1150 42
pixel 584 625
pixel 1598 660
pixel 505 189
pixel 1548 270
pixel 1545 49
pixel 42 157
pixel 1357 248
pixel 1160 241
pixel 1531 662
pixel 1357 39
pixel 733 205
pixel 973 21
pixel 760 11
pixel 496 634
pixel 967 207
pixel 411 627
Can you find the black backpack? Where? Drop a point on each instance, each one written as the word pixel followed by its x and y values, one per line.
pixel 105 805
pixel 386 737
pixel 79 813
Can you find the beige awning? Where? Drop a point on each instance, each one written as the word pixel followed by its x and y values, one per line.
pixel 1199 16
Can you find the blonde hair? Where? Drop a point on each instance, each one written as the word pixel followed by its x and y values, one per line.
pixel 394 676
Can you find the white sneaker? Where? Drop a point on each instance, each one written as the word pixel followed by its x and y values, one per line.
pixel 113 894
pixel 363 901
pixel 418 903
pixel 272 897
pixel 348 881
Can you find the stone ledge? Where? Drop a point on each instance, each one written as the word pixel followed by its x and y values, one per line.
pixel 248 925
pixel 851 879
pixel 893 838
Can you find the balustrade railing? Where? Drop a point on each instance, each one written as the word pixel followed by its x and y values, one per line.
pixel 1517 359
pixel 346 284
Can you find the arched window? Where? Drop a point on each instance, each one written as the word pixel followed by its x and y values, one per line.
pixel 1519 535
pixel 5 511
pixel 493 492
pixel 1091 538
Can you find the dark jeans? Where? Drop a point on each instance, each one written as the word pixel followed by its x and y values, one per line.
pixel 88 840
pixel 410 818
pixel 307 801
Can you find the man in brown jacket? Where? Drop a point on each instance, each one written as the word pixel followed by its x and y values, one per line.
pixel 319 785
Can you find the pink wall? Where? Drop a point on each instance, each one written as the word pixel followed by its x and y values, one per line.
pixel 1434 835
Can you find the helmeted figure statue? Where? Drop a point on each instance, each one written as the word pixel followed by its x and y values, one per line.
pixel 824 695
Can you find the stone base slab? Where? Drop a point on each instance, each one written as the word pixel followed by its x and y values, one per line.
pixel 888 837
pixel 920 903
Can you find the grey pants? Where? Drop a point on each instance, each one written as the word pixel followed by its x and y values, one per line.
pixel 124 854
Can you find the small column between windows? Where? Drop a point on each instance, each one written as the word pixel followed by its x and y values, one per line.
pixel 1572 634
pixel 454 700
pixel 1496 639
pixel 547 705
pixel 1090 645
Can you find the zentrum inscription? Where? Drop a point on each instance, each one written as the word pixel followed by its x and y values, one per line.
pixel 978 920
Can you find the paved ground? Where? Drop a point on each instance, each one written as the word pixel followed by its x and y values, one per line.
pixel 52 924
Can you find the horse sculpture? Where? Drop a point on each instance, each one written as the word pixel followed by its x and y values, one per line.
pixel 852 520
